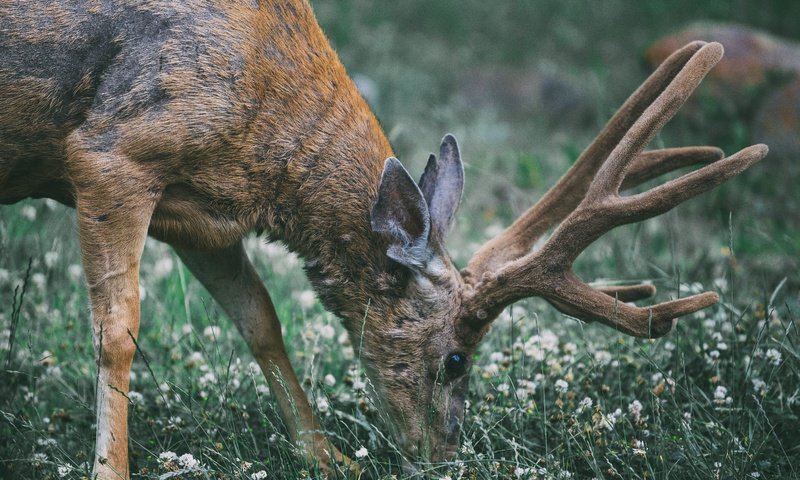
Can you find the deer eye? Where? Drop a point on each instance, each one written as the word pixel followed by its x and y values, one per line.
pixel 455 365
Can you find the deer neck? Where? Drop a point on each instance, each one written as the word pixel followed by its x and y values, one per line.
pixel 321 194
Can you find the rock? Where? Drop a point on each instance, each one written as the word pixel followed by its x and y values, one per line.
pixel 751 55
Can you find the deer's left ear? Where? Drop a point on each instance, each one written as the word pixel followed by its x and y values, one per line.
pixel 401 213
pixel 442 183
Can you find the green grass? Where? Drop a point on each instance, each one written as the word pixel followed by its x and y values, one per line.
pixel 200 396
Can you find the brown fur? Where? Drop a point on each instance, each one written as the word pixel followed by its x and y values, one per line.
pixel 197 122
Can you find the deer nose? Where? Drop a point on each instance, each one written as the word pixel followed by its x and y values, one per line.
pixel 453 429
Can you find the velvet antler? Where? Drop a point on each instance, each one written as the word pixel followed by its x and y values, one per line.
pixel 587 203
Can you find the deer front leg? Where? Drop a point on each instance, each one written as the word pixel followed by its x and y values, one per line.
pixel 113 226
pixel 230 278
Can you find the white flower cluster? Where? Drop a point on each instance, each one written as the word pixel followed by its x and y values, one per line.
pixel 721 396
pixel 561 386
pixel 635 409
pixel 585 404
pixel 170 460
pixel 538 346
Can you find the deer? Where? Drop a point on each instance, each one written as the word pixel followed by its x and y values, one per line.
pixel 198 122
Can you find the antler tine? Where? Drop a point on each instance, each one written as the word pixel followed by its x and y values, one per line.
pixel 622 293
pixel 589 304
pixel 517 240
pixel 649 165
pixel 547 272
pixel 664 197
pixel 611 174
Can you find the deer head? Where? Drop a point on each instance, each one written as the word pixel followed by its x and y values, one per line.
pixel 420 345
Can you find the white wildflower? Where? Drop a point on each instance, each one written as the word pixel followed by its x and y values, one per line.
pixel 362 452
pixel 259 475
pixel 503 388
pixel 520 472
pixel 38 280
pixel 359 385
pixel 608 421
pixel 135 397
pixel 329 380
pixel 721 396
pixel 561 386
pixel 348 353
pixel 212 332
pixel 525 388
pixel 638 447
pixel 322 405
pixel 602 357
pixel 635 409
pixel 28 211
pixel 539 345
pixel 773 356
pixel 306 299
pixel 327 332
pixel 584 404
pixel 196 357
pixel 207 379
pixel 687 420
pixel 497 357
pixel 695 287
pixel 760 386
pixel 163 267
pixel 64 470
pixel 75 272
pixel 188 461
pixel 46 442
pixel 50 259
pixel 165 457
pixel 39 457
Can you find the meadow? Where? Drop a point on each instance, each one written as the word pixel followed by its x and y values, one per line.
pixel 551 397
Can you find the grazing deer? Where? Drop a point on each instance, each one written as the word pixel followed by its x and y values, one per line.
pixel 198 121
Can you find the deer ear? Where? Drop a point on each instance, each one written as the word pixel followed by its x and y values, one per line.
pixel 402 214
pixel 442 183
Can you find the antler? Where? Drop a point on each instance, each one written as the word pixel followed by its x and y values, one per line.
pixel 588 201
